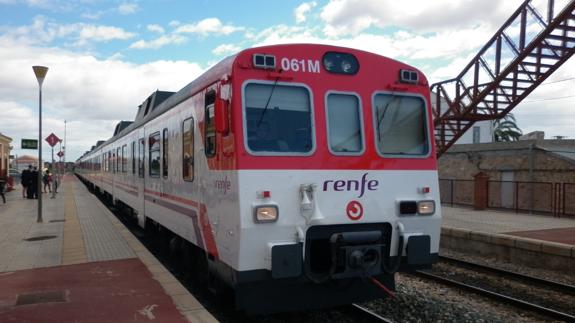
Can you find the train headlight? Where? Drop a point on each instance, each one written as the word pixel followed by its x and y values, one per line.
pixel 426 207
pixel 340 63
pixel 266 213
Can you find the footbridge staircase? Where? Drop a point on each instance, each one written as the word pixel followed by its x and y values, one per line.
pixel 533 43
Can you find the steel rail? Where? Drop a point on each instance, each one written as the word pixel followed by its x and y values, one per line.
pixel 500 297
pixel 560 287
pixel 364 312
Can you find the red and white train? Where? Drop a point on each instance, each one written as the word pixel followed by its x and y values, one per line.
pixel 296 171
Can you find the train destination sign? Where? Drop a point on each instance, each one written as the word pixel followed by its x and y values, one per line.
pixel 29 144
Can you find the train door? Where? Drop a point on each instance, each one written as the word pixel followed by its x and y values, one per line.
pixel 209 143
pixel 140 176
pixel 153 183
pixel 165 156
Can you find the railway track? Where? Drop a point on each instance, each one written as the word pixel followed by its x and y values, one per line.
pixel 364 314
pixel 506 297
pixel 560 287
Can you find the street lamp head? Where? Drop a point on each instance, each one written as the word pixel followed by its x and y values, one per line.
pixel 40 72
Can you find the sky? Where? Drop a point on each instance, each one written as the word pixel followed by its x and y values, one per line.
pixel 105 57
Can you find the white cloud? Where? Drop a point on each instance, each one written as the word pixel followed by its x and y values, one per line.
pixel 42 32
pixel 302 10
pixel 226 49
pixel 90 93
pixel 159 42
pixel 102 33
pixel 350 17
pixel 155 28
pixel 208 26
pixel 128 8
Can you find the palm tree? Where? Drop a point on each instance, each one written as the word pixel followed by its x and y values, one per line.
pixel 506 129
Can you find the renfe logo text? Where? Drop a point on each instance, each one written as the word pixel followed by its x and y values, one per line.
pixel 341 185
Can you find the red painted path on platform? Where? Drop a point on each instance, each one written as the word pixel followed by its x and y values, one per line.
pixel 563 235
pixel 109 291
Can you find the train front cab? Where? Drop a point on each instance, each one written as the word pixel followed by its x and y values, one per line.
pixel 315 255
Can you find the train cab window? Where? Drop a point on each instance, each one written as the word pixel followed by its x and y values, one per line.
pixel 278 119
pixel 165 152
pixel 124 158
pixel 400 123
pixel 210 125
pixel 154 155
pixel 344 124
pixel 141 149
pixel 188 149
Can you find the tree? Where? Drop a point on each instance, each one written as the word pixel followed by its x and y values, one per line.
pixel 506 129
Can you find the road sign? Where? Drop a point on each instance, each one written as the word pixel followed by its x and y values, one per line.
pixel 60 154
pixel 52 140
pixel 29 144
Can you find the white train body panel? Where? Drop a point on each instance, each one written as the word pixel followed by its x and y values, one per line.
pixel 379 205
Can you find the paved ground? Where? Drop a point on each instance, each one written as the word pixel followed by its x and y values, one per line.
pixel 109 291
pixel 566 235
pixel 82 265
pixel 539 227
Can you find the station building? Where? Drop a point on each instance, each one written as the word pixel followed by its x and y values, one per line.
pixel 4 155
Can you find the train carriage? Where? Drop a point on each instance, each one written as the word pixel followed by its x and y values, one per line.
pixel 299 172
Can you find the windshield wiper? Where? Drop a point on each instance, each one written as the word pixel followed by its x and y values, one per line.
pixel 267 103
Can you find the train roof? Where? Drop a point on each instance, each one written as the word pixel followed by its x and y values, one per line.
pixel 161 101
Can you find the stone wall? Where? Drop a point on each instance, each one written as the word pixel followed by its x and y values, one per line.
pixel 535 190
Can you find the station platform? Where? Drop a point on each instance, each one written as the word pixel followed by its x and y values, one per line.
pixel 82 265
pixel 527 239
pixel 540 227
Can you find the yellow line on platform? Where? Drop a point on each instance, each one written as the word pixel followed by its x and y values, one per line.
pixel 73 249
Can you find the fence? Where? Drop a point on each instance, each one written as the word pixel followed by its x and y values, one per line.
pixel 557 199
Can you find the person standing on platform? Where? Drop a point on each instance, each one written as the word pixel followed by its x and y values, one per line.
pixel 2 189
pixel 27 182
pixel 34 183
pixel 47 180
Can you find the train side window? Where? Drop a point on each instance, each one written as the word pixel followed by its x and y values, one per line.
pixel 117 160
pixel 141 149
pixel 154 154
pixel 400 123
pixel 210 125
pixel 165 152
pixel 133 157
pixel 110 164
pixel 124 158
pixel 344 124
pixel 188 149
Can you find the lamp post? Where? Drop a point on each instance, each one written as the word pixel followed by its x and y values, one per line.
pixel 40 72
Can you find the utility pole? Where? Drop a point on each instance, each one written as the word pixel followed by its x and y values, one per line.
pixel 40 72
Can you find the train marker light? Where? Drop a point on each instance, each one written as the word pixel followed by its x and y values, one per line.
pixel 425 190
pixel 266 213
pixel 267 62
pixel 426 207
pixel 408 76
pixel 264 194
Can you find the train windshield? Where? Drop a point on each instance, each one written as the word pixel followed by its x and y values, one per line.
pixel 278 119
pixel 400 125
